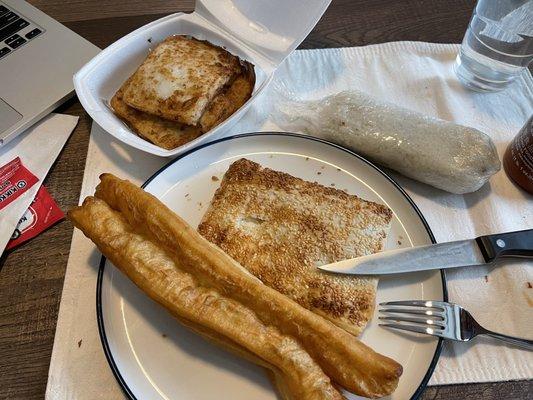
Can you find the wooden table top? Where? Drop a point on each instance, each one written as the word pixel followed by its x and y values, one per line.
pixel 31 276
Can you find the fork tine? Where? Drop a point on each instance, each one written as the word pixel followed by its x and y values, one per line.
pixel 413 328
pixel 423 321
pixel 413 311
pixel 416 303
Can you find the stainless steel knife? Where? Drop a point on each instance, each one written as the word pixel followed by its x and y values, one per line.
pixel 482 250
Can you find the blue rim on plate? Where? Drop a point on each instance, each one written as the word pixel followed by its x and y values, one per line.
pixel 99 313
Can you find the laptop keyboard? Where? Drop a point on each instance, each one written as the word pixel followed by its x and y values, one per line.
pixel 11 25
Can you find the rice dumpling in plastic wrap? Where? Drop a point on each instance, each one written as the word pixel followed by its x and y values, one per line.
pixel 448 156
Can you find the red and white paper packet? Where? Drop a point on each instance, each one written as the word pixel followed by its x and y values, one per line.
pixel 15 182
pixel 37 149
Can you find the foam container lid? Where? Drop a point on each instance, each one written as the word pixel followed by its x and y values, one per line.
pixel 273 28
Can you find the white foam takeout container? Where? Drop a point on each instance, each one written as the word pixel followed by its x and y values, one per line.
pixel 261 32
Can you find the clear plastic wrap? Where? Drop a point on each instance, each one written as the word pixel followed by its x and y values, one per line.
pixel 448 156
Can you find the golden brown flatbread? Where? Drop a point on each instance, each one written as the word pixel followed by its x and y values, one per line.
pixel 180 77
pixel 281 228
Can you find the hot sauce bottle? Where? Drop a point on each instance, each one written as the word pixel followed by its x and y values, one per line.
pixel 518 159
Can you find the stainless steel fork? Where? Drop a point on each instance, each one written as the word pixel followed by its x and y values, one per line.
pixel 438 318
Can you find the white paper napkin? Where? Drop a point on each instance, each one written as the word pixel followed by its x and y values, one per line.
pixel 37 148
pixel 419 76
pixel 415 75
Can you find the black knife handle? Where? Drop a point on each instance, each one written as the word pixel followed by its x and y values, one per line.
pixel 510 244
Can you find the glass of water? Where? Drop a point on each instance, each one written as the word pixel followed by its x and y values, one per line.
pixel 498 44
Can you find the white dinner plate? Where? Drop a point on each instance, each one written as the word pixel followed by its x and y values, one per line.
pixel 154 357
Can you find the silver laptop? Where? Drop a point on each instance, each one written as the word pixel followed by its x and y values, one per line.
pixel 38 57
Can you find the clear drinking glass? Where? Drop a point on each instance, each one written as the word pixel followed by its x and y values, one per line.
pixel 498 44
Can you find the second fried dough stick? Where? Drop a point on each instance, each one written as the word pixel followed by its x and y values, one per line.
pixel 345 359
